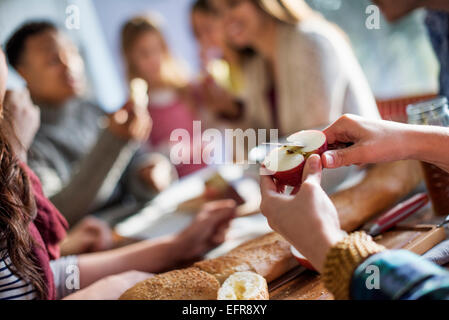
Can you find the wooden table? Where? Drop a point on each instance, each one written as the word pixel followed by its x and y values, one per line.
pixel 308 285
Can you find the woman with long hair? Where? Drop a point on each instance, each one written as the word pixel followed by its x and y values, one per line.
pixel 31 229
pixel 148 56
pixel 299 69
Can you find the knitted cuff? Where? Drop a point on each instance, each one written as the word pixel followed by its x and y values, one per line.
pixel 343 259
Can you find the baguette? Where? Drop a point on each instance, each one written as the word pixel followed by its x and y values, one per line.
pixel 222 267
pixel 185 284
pixel 383 186
pixel 268 256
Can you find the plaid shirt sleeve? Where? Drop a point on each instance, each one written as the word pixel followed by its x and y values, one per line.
pixel 399 275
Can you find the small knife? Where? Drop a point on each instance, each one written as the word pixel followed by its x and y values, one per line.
pixel 399 213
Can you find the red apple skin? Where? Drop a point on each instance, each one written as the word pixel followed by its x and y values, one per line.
pixel 292 177
pixel 302 260
pixel 322 150
pixel 305 263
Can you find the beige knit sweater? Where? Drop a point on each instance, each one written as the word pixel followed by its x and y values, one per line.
pixel 318 80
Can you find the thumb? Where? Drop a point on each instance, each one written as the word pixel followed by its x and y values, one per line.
pixel 340 158
pixel 313 170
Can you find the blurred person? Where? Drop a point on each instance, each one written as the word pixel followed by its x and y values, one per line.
pixel 83 167
pixel 218 88
pixel 437 22
pixel 299 70
pixel 218 60
pixel 314 228
pixel 89 234
pixel 147 56
pixel 31 229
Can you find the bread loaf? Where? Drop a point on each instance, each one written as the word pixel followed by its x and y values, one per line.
pixel 222 267
pixel 383 186
pixel 269 256
pixel 244 286
pixel 185 284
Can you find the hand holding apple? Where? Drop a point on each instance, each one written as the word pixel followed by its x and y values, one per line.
pixel 308 220
pixel 376 141
pixel 286 163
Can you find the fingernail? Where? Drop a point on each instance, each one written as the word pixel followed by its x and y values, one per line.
pixel 329 160
pixel 314 163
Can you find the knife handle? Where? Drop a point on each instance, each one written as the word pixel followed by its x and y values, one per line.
pixel 399 213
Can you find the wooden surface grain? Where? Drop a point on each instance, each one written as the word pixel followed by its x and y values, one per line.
pixel 308 285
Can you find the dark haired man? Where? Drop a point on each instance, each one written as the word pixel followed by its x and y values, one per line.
pixel 83 167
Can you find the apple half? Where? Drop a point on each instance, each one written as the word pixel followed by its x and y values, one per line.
pixel 286 163
pixel 301 259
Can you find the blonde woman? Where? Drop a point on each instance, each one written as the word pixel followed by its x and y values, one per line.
pixel 299 70
pixel 147 56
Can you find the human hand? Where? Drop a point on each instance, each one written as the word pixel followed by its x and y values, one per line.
pixel 157 175
pixel 25 118
pixel 129 124
pixel 308 220
pixel 89 235
pixel 216 98
pixel 111 287
pixel 207 231
pixel 373 141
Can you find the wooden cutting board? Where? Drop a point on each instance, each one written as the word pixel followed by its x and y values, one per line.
pixel 308 286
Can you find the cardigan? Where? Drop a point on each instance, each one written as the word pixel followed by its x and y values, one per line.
pixel 318 80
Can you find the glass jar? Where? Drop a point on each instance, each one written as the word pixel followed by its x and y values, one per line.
pixel 433 112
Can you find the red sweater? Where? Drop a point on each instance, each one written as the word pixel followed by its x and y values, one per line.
pixel 47 230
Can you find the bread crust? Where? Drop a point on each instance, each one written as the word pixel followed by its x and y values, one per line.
pixel 222 267
pixel 185 284
pixel 268 256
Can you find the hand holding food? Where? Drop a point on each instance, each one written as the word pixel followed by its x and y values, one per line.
pixel 133 121
pixel 372 141
pixel 384 141
pixel 286 164
pixel 158 174
pixel 308 220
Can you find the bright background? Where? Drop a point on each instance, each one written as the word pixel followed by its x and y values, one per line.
pixel 397 59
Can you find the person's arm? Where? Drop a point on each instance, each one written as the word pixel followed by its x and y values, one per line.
pixel 402 275
pixel 377 141
pixel 102 168
pixel 358 268
pixel 206 232
pixel 96 178
pixel 310 222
